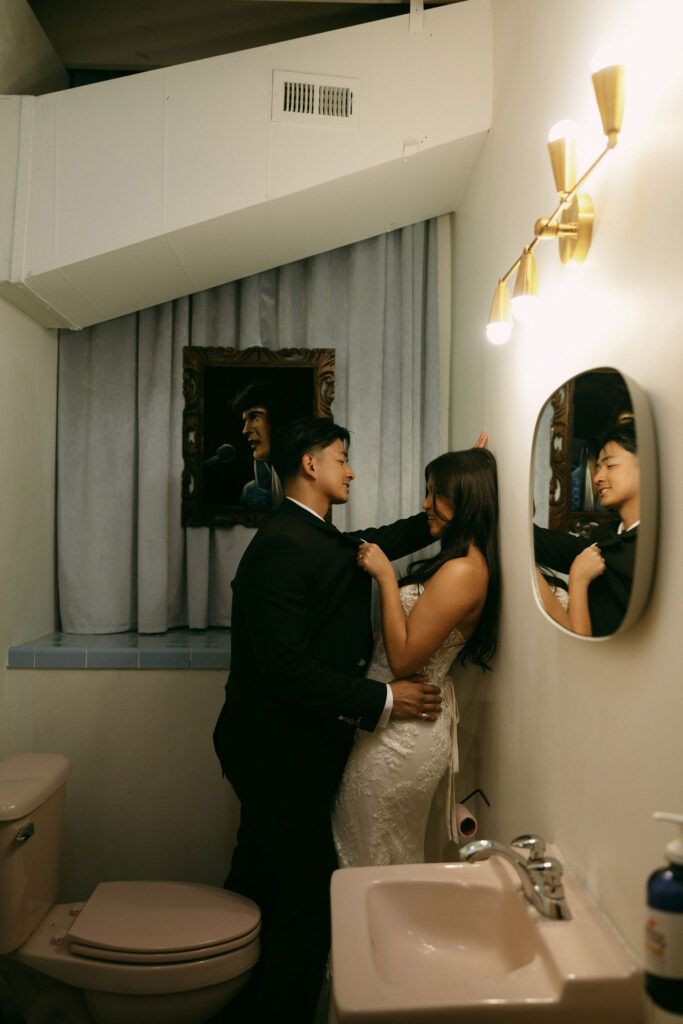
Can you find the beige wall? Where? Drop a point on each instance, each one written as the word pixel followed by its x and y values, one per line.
pixel 28 394
pixel 28 397
pixel 581 741
pixel 146 798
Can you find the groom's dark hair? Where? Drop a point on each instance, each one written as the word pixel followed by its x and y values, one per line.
pixel 292 441
pixel 623 434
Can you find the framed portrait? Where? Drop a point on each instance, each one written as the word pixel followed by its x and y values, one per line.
pixel 234 400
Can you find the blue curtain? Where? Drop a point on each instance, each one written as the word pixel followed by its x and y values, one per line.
pixel 124 561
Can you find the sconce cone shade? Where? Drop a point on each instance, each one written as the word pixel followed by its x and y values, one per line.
pixel 563 162
pixel 499 327
pixel 608 83
pixel 525 295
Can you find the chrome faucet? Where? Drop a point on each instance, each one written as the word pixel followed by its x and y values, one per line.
pixel 541 875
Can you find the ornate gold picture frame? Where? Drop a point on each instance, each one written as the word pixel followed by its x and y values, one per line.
pixel 226 476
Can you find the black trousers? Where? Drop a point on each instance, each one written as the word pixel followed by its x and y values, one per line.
pixel 283 860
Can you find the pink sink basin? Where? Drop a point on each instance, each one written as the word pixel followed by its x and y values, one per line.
pixel 460 944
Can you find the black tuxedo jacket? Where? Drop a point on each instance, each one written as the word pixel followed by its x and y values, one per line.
pixel 609 593
pixel 301 640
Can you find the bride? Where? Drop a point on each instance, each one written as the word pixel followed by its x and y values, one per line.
pixel 445 608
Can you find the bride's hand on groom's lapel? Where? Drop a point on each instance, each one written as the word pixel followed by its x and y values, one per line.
pixel 372 559
pixel 413 698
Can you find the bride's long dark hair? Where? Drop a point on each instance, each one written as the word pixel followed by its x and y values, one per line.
pixel 469 480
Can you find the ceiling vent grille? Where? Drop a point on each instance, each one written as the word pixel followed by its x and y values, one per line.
pixel 315 99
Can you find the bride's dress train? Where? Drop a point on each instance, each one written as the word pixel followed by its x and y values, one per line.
pixel 383 802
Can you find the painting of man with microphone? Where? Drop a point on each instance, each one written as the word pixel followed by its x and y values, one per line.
pixel 261 408
pixel 235 400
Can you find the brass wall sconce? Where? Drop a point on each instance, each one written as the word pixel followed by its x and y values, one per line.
pixel 571 222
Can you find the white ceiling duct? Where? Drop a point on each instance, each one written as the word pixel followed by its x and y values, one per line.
pixel 127 193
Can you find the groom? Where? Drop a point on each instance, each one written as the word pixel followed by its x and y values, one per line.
pixel 301 639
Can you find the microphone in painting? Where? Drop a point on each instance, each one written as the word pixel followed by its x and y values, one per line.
pixel 224 453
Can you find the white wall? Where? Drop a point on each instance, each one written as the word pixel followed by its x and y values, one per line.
pixel 28 394
pixel 582 741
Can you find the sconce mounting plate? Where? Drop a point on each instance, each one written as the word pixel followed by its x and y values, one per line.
pixel 576 229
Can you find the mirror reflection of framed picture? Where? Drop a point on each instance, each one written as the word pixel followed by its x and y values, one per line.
pixel 583 409
pixel 234 400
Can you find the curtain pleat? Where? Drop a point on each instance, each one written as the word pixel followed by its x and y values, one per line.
pixel 124 561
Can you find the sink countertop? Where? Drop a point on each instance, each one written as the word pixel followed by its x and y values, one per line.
pixel 400 955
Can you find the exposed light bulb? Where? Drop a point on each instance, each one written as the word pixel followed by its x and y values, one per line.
pixel 563 130
pixel 525 307
pixel 499 327
pixel 525 297
pixel 499 332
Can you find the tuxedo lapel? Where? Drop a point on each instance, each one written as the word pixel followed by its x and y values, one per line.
pixel 300 512
pixel 303 515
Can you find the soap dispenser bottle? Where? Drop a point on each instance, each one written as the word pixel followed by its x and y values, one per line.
pixel 664 926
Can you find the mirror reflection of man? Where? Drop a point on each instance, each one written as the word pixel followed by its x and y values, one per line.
pixel 262 410
pixel 600 567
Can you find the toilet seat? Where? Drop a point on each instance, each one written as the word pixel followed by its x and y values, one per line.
pixel 180 956
pixel 48 950
pixel 162 922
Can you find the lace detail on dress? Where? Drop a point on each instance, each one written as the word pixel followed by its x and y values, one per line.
pixel 439 663
pixel 384 798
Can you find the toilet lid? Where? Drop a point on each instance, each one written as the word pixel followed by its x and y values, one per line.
pixel 162 922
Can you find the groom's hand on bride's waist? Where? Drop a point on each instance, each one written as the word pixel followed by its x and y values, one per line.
pixel 413 698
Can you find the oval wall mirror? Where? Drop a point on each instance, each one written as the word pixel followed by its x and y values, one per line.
pixel 594 504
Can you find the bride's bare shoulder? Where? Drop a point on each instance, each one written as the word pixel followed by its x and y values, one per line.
pixel 469 571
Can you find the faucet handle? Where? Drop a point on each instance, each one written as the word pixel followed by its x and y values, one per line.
pixel 546 877
pixel 531 843
pixel 546 872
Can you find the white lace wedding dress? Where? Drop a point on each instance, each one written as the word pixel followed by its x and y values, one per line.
pixel 383 802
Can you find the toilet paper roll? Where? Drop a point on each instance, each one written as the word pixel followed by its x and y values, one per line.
pixel 465 821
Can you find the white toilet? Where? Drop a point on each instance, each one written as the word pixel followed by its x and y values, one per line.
pixel 141 952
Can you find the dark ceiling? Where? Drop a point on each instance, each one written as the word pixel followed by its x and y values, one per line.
pixel 138 35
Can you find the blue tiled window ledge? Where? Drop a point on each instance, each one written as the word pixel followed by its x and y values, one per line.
pixel 178 648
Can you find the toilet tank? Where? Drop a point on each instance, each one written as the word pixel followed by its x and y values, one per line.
pixel 32 793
